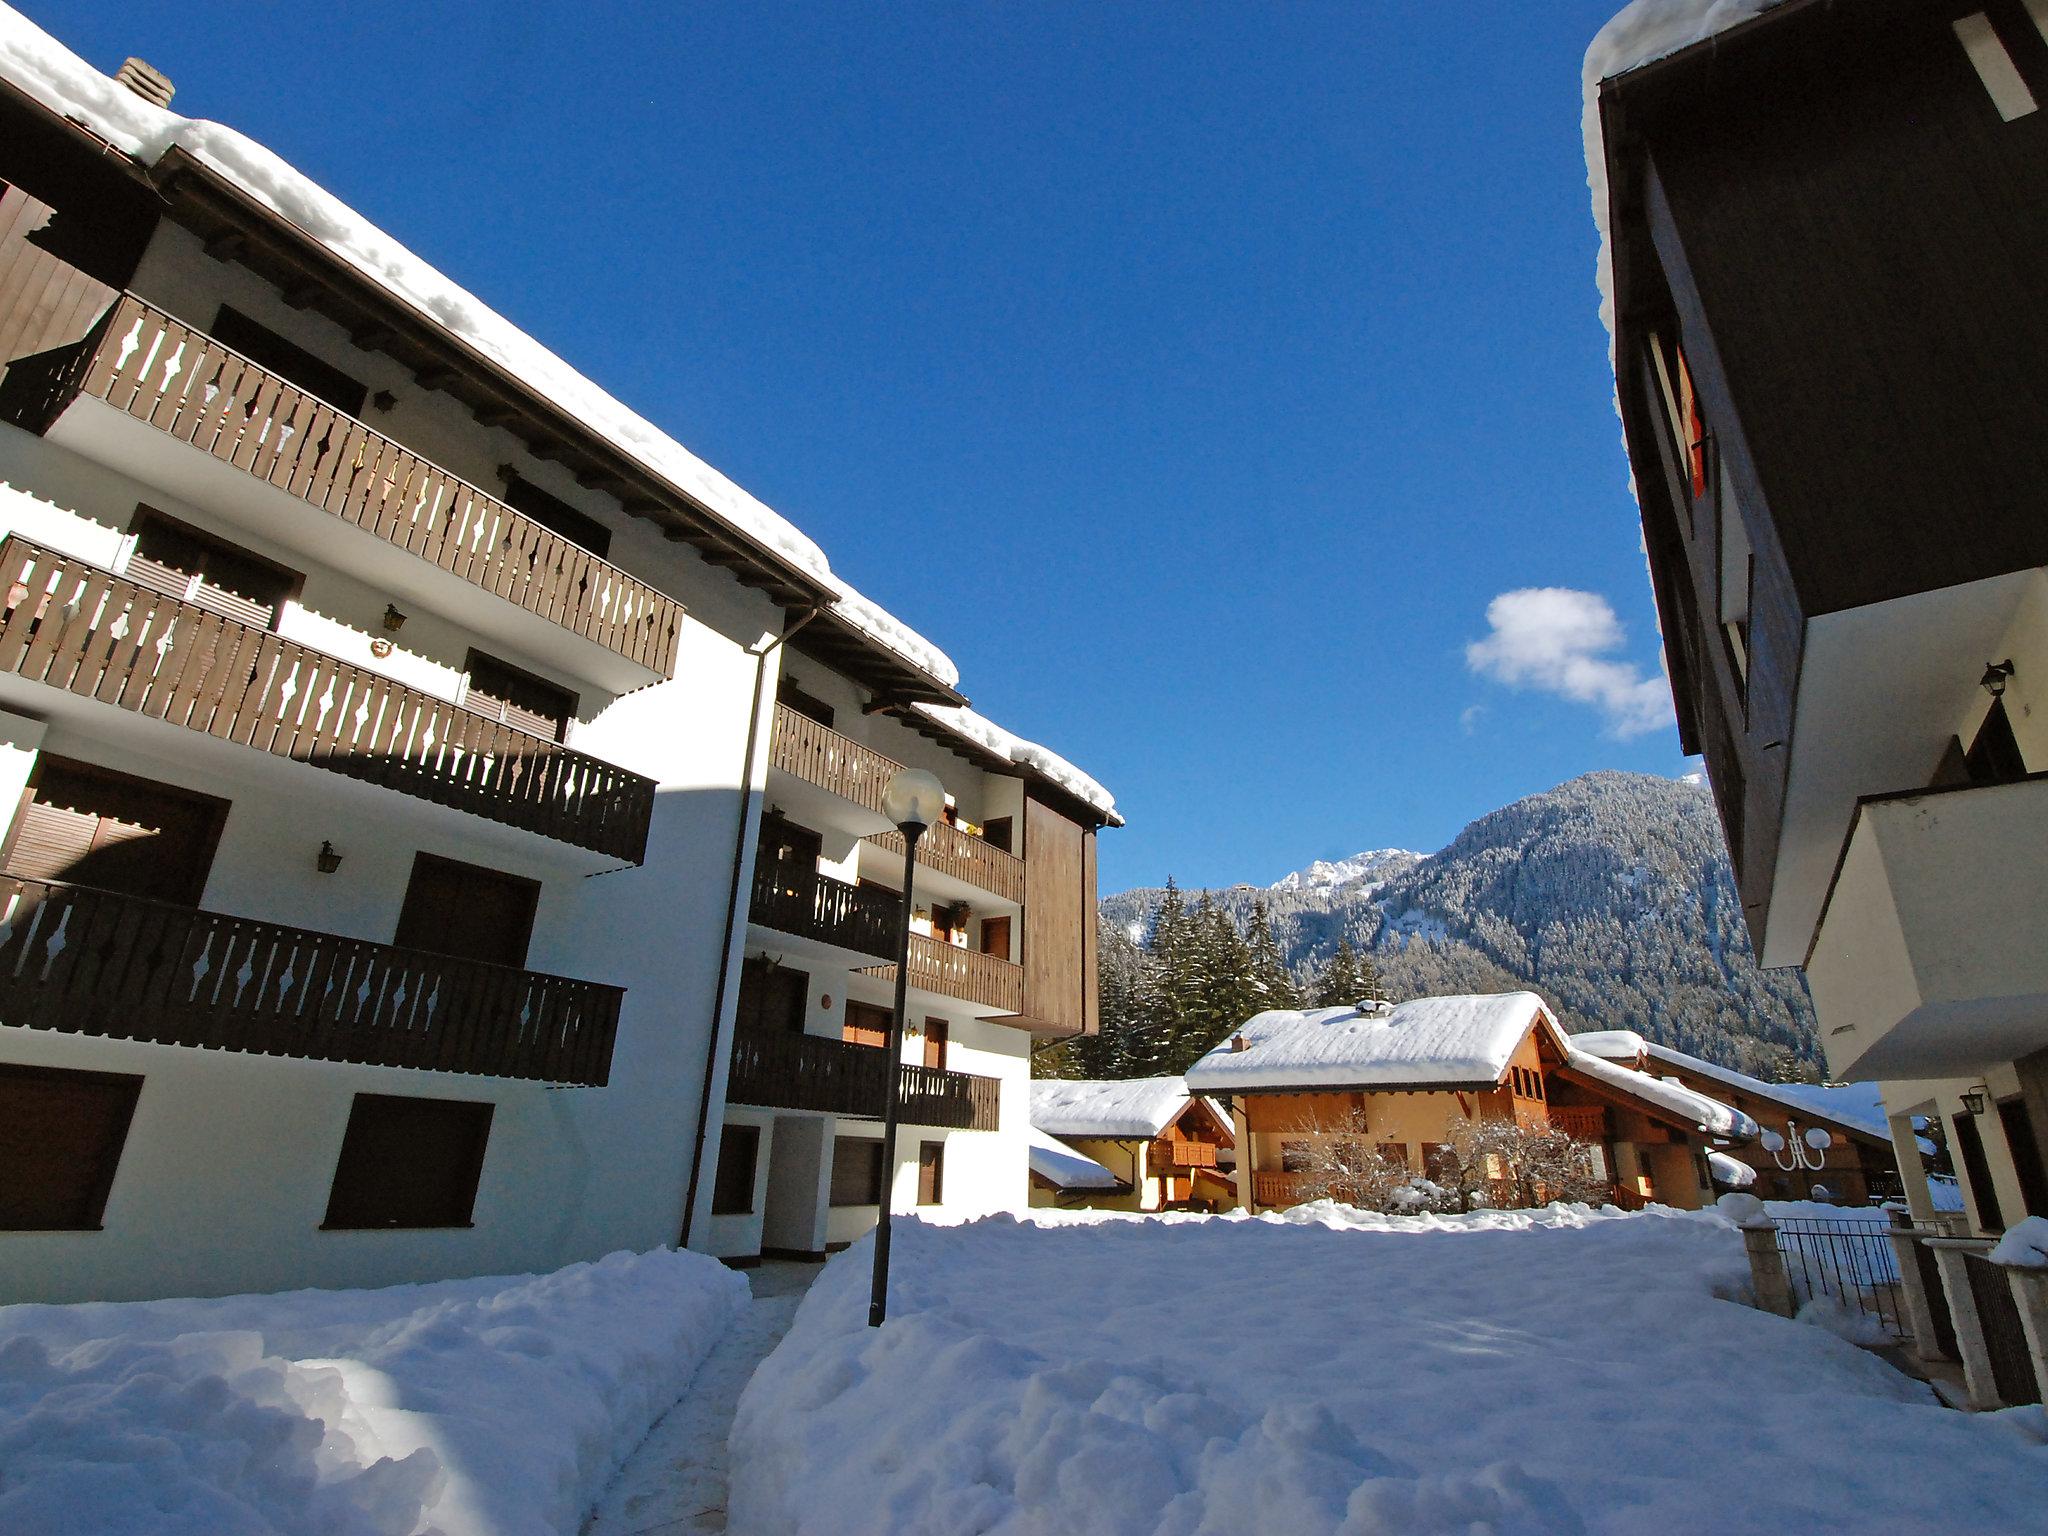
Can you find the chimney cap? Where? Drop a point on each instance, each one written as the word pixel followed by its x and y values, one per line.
pixel 151 84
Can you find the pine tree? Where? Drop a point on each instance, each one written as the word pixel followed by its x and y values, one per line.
pixel 1271 984
pixel 1341 983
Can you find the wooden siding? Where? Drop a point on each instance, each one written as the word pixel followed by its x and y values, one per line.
pixel 184 383
pixel 45 301
pixel 82 629
pixel 93 962
pixel 1057 924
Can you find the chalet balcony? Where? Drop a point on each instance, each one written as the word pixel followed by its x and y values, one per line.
pixel 965 974
pixel 1587 1122
pixel 95 635
pixel 814 906
pixel 91 962
pixel 265 446
pixel 1929 942
pixel 1180 1154
pixel 835 1077
pixel 949 851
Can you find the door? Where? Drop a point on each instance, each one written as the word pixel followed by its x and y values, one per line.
pixel 937 1036
pixel 773 997
pixel 995 937
pixel 866 1024
pixel 87 825
pixel 467 911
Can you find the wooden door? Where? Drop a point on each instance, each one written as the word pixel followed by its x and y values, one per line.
pixel 931 1172
pixel 91 826
pixel 937 1036
pixel 995 937
pixel 468 911
pixel 866 1024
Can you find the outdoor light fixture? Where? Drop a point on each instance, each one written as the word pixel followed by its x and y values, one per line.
pixel 328 861
pixel 1973 1101
pixel 393 619
pixel 913 800
pixel 1995 675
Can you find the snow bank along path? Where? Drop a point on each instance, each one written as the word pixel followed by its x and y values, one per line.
pixel 1555 1372
pixel 494 1407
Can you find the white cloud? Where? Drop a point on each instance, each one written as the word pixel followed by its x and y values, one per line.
pixel 1557 640
pixel 1469 717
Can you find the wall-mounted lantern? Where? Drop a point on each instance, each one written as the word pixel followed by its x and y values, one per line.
pixel 1996 675
pixel 327 861
pixel 1973 1101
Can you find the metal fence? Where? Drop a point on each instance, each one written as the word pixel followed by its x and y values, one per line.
pixel 1851 1262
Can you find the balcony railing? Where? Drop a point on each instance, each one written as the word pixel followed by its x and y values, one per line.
pixel 77 627
pixel 1588 1122
pixel 1181 1154
pixel 801 901
pixel 834 1077
pixel 963 973
pixel 963 856
pixel 819 755
pixel 94 962
pixel 185 384
pixel 1282 1189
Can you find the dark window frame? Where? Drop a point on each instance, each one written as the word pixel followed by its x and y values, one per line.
pixel 809 705
pixel 422 860
pixel 79 768
pixel 559 517
pixel 872 1178
pixel 90 1203
pixel 725 1193
pixel 349 1193
pixel 290 582
pixel 517 688
pixel 298 366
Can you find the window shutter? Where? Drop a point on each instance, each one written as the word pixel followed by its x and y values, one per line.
pixel 50 841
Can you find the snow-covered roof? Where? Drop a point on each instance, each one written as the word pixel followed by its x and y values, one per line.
pixel 1064 1168
pixel 1669 1095
pixel 1465 1039
pixel 1731 1171
pixel 990 737
pixel 1139 1106
pixel 1859 1106
pixel 59 79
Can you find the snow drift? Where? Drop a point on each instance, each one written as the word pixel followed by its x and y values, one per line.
pixel 464 1407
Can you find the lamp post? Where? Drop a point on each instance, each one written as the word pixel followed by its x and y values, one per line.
pixel 913 800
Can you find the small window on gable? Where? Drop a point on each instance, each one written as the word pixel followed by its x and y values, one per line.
pixel 504 692
pixel 856 1170
pixel 408 1162
pixel 199 567
pixel 61 1135
pixel 557 516
pixel 739 1150
pixel 289 361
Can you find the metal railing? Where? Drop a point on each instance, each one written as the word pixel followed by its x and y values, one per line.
pixel 85 961
pixel 74 626
pixel 155 368
pixel 1850 1262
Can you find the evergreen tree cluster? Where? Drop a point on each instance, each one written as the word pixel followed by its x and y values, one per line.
pixel 1197 979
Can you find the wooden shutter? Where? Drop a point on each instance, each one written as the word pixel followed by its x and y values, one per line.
pixel 504 692
pixel 856 1170
pixel 50 842
pixel 90 826
pixel 931 1172
pixel 468 911
pixel 409 1162
pixel 61 1135
pixel 866 1024
pixel 937 1035
pixel 202 568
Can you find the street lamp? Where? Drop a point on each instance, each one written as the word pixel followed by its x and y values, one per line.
pixel 913 800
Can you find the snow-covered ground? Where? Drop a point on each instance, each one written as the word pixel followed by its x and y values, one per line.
pixel 465 1407
pixel 1326 1371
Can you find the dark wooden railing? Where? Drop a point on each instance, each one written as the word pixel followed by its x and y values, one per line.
pixel 965 857
pixel 791 899
pixel 181 381
pixel 796 1071
pixel 819 755
pixel 74 626
pixel 93 962
pixel 963 973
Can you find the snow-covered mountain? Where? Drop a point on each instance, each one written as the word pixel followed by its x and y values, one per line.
pixel 1611 895
pixel 1376 864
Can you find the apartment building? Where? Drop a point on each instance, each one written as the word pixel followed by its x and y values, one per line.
pixel 387 720
pixel 1824 233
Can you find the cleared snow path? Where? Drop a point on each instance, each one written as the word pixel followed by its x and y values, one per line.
pixel 674 1482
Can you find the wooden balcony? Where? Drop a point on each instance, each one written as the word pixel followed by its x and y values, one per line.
pixel 1180 1154
pixel 1284 1189
pixel 838 764
pixel 74 626
pixel 963 973
pixel 93 962
pixel 183 383
pixel 834 1077
pixel 965 857
pixel 1588 1122
pixel 815 906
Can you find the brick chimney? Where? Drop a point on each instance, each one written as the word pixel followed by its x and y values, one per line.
pixel 152 87
pixel 1239 1043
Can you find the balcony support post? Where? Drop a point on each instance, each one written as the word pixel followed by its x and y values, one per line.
pixel 878 1296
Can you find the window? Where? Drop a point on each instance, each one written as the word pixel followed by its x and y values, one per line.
pixel 786 845
pixel 773 997
pixel 1395 1152
pixel 61 1135
pixel 2026 1154
pixel 1294 1157
pixel 91 826
pixel 866 1024
pixel 289 361
pixel 931 1172
pixel 938 1035
pixel 467 911
pixel 998 832
pixel 557 516
pixel 810 706
pixel 501 691
pixel 856 1170
pixel 408 1163
pixel 199 567
pixel 1682 412
pixel 739 1149
pixel 1439 1160
pixel 995 937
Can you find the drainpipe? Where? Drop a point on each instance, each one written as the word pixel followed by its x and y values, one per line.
pixel 732 909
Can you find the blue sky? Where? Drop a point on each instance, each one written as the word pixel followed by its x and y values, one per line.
pixel 1196 375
